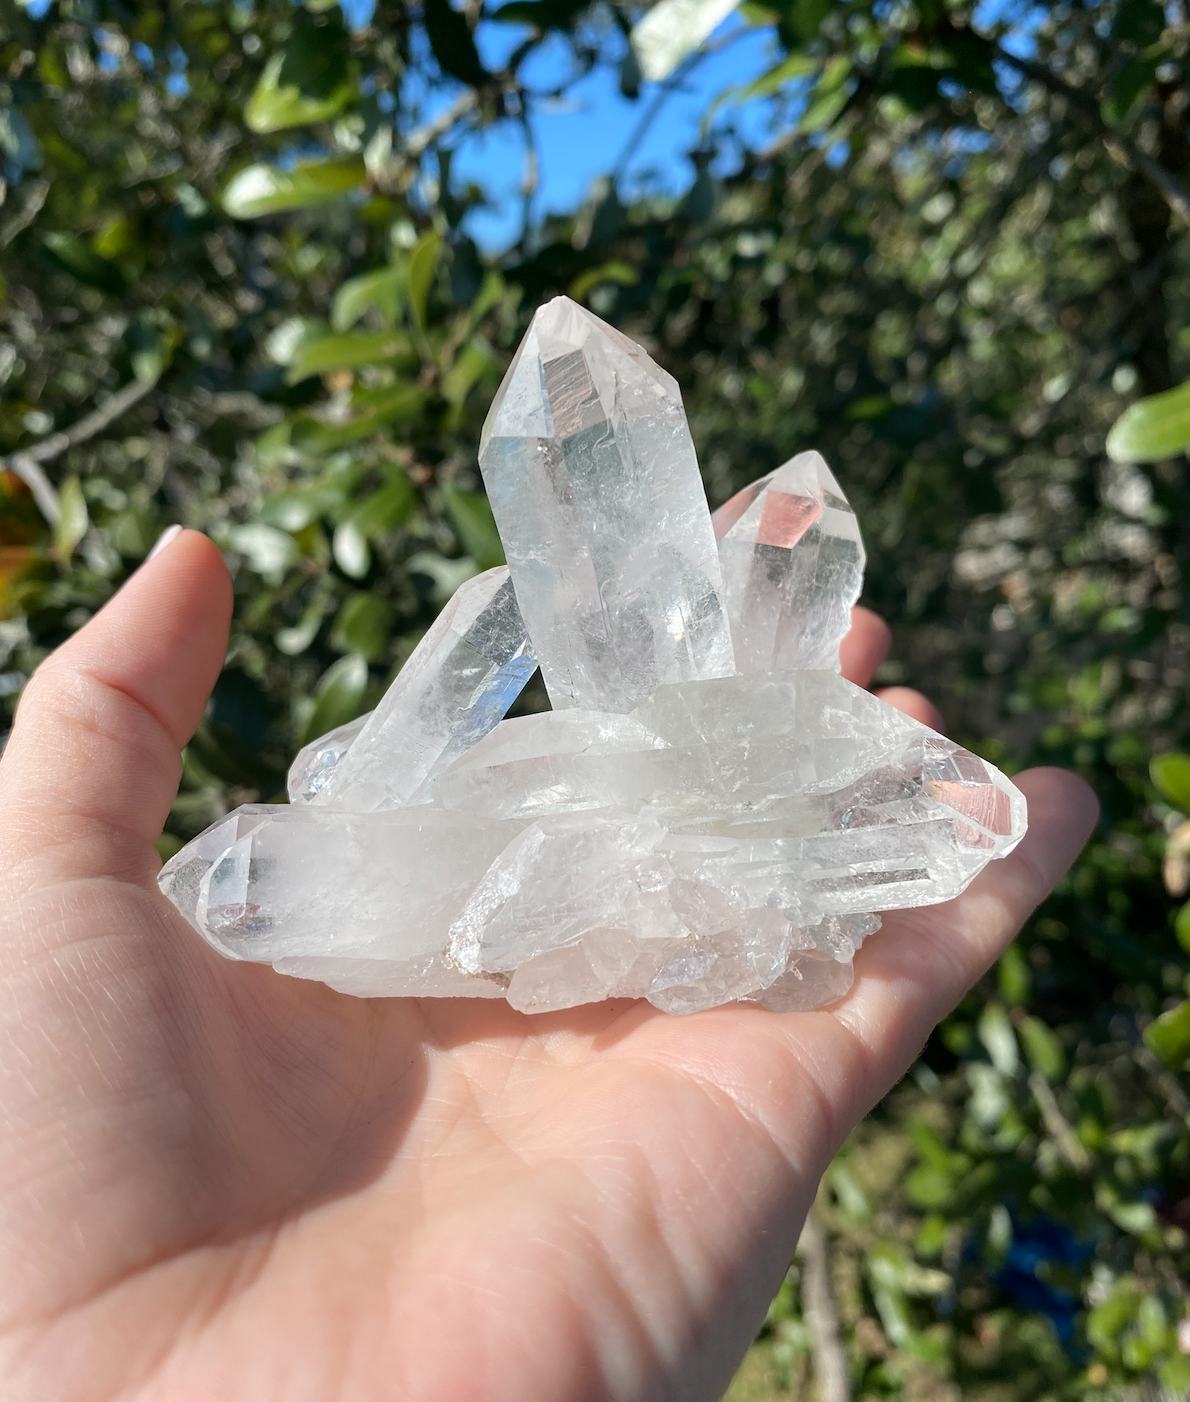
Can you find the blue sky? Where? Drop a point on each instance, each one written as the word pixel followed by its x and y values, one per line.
pixel 583 137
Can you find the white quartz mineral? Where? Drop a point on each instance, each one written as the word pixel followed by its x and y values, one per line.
pixel 709 814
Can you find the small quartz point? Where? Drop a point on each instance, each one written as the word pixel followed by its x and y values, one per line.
pixel 316 762
pixel 461 679
pixel 793 565
pixel 591 473
pixel 710 813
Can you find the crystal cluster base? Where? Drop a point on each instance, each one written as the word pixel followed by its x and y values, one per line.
pixel 709 814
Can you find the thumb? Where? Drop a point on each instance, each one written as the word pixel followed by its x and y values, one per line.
pixel 93 761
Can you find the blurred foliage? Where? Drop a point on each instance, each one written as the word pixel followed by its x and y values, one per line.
pixel 238 292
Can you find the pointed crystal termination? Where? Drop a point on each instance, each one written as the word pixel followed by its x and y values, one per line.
pixel 314 764
pixel 461 679
pixel 592 476
pixel 793 565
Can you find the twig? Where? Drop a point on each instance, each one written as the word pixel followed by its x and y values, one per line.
pixel 822 1318
pixel 662 96
pixel 1167 1083
pixel 27 463
pixel 1177 196
pixel 1060 1131
pixel 20 222
pixel 415 146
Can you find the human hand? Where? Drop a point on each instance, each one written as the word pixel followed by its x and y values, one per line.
pixel 220 1183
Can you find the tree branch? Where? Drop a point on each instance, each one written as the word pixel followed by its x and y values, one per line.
pixel 1176 195
pixel 27 463
pixel 822 1318
pixel 32 208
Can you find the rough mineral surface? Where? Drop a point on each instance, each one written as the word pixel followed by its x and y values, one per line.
pixel 709 814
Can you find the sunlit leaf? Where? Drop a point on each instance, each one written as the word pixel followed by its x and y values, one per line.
pixel 828 97
pixel 787 71
pixel 315 355
pixel 672 29
pixel 1170 772
pixel 350 549
pixel 1169 1035
pixel 274 106
pixel 383 289
pixel 423 264
pixel 616 271
pixel 1152 429
pixel 264 189
pixel 72 520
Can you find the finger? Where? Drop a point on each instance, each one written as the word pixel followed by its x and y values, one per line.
pixel 922 962
pixel 865 647
pixel 912 703
pixel 101 724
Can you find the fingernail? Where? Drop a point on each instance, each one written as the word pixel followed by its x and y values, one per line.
pixel 169 534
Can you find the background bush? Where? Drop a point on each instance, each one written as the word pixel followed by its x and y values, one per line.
pixel 238 293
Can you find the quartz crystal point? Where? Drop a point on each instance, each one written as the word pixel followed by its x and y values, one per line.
pixel 592 476
pixel 461 679
pixel 793 565
pixel 691 824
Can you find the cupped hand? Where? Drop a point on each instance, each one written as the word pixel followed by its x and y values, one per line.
pixel 217 1183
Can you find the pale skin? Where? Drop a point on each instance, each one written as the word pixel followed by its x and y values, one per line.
pixel 221 1185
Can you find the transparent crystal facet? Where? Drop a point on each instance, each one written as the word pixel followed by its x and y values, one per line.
pixel 459 682
pixel 591 473
pixel 685 826
pixel 793 565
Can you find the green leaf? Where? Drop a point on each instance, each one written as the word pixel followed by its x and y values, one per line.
pixel 276 107
pixel 270 552
pixel 800 21
pixel 543 15
pixel 828 97
pixel 423 264
pixel 1129 86
pixel 452 42
pixel 671 30
pixel 1013 976
pixel 364 625
pixel 1169 1036
pixel 1139 22
pixel 313 437
pixel 72 520
pixel 339 697
pixel 1170 773
pixel 263 189
pixel 1181 927
pixel 475 526
pixel 617 271
pixel 788 71
pixel 997 1036
pixel 387 509
pixel 383 289
pixel 350 549
pixel 316 355
pixel 1042 1048
pixel 1152 429
pixel 472 362
pixel 75 256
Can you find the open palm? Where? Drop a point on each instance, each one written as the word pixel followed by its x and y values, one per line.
pixel 219 1183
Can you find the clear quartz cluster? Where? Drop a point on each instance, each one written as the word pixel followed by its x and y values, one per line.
pixel 708 814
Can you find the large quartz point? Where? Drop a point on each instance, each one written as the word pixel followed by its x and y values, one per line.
pixel 592 476
pixel 793 565
pixel 710 814
pixel 459 682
